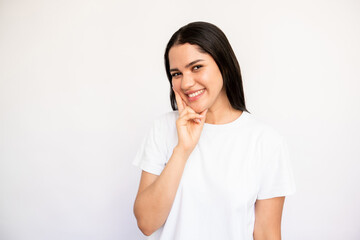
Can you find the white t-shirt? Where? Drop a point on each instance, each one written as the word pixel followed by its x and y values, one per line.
pixel 232 166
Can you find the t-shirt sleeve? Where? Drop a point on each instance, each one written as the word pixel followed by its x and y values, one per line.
pixel 277 178
pixel 151 154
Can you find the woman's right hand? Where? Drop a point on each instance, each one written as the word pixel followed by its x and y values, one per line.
pixel 189 125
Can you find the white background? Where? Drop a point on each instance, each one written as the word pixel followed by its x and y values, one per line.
pixel 82 80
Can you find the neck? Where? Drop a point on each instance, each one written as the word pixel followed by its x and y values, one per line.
pixel 222 112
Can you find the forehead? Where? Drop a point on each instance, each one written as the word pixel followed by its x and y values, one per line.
pixel 180 55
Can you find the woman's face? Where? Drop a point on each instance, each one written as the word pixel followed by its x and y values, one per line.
pixel 196 72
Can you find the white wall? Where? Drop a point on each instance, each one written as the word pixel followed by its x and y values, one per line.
pixel 81 82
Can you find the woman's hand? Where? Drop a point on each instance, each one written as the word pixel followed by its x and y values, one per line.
pixel 189 125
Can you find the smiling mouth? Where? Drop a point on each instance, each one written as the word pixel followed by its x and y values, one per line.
pixel 196 95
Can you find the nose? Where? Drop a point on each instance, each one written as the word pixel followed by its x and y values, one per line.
pixel 187 81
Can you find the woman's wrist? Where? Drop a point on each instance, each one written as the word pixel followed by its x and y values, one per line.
pixel 180 151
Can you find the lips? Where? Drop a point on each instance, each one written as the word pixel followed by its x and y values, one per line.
pixel 194 98
pixel 190 92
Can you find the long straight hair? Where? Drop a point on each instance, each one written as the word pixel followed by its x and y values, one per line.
pixel 213 41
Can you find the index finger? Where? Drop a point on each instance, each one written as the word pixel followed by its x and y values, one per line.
pixel 179 101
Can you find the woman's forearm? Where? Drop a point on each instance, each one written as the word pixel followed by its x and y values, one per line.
pixel 152 205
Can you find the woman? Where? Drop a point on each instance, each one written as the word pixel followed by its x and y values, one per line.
pixel 210 169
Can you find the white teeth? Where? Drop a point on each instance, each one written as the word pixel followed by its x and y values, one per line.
pixel 196 93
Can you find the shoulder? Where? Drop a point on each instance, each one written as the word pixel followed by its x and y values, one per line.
pixel 166 120
pixel 166 117
pixel 264 132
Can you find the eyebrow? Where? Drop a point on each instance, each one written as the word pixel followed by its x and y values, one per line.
pixel 188 65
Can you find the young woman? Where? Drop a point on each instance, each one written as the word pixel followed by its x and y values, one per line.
pixel 211 170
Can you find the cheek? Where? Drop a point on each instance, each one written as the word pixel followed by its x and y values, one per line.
pixel 209 78
pixel 216 78
pixel 176 84
pixel 204 77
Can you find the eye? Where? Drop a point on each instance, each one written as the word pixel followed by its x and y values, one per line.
pixel 175 74
pixel 197 67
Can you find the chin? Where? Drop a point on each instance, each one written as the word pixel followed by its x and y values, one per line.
pixel 198 109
